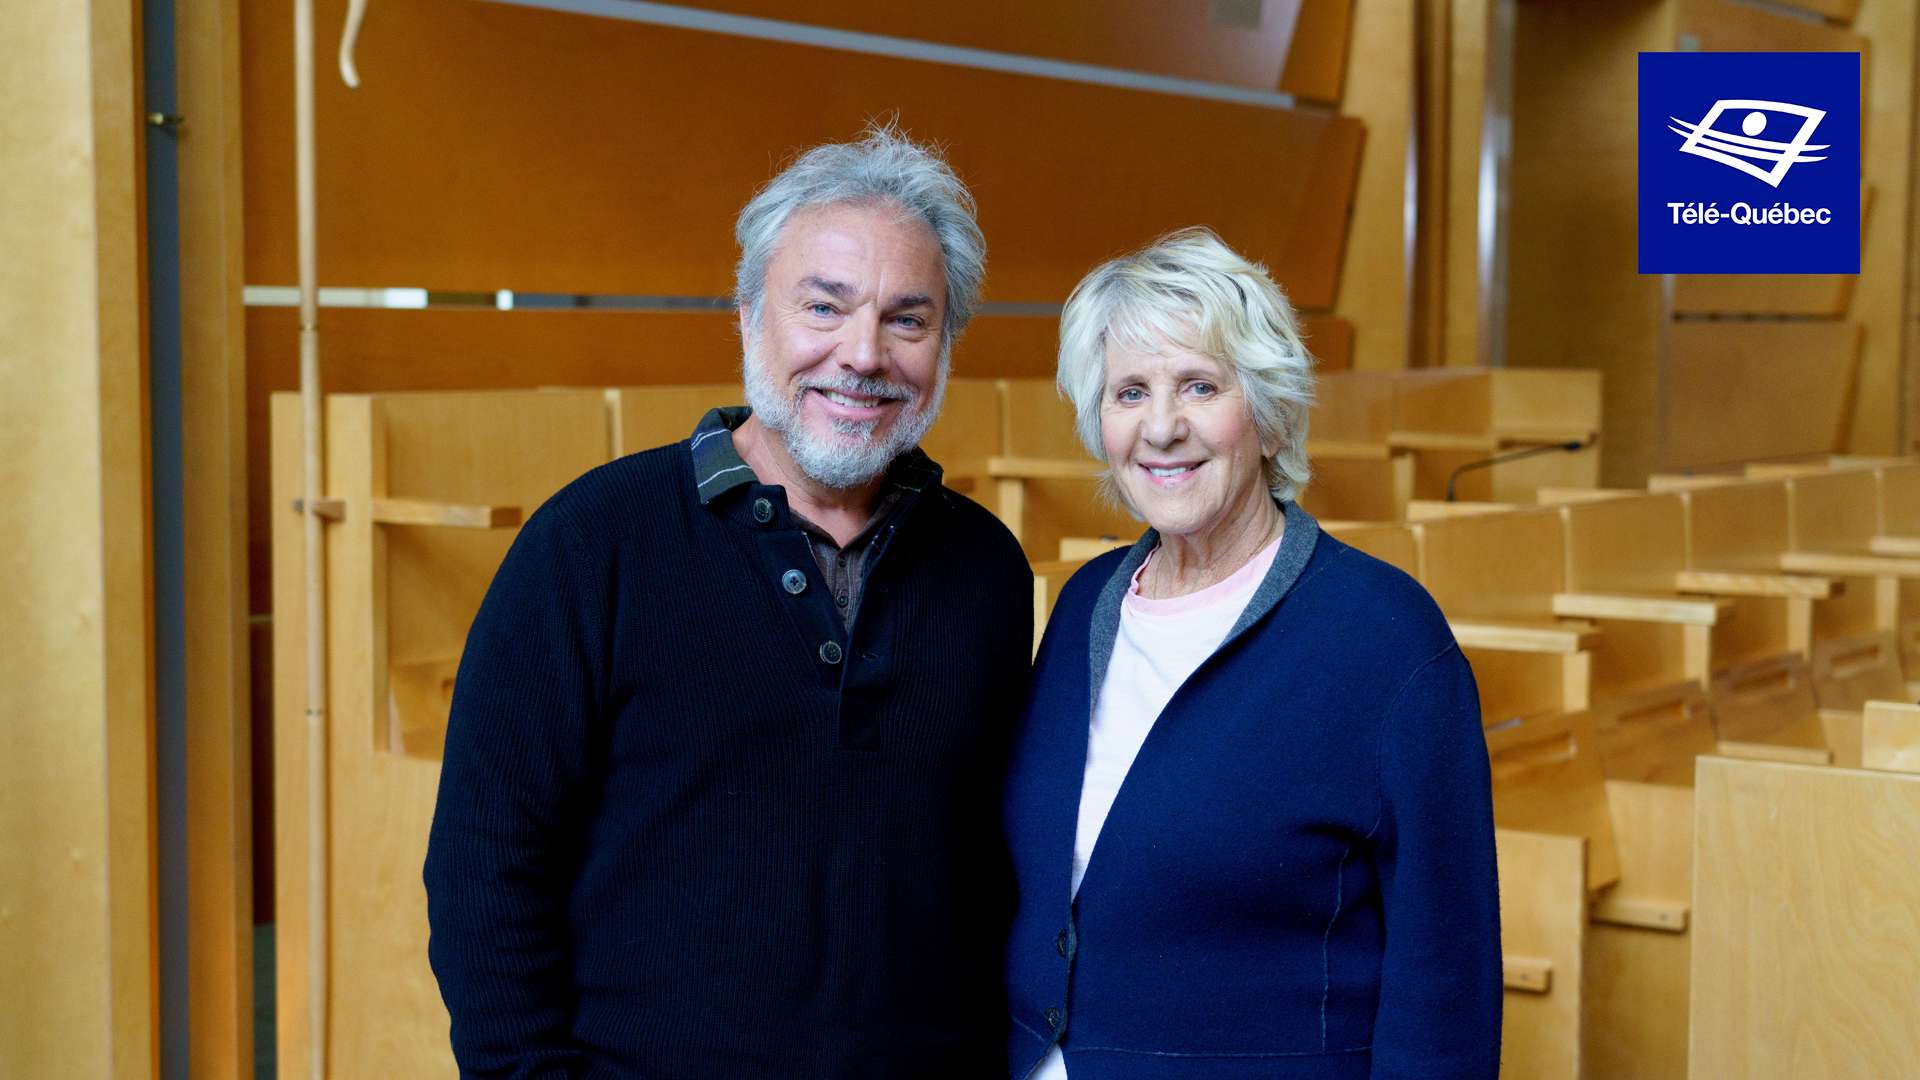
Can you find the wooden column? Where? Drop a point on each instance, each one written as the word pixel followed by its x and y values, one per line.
pixel 76 795
pixel 213 424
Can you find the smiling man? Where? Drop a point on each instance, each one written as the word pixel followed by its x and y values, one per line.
pixel 720 795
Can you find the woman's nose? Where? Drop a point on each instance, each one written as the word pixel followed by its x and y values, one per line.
pixel 1165 423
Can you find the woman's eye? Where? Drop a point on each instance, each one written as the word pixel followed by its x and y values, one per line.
pixel 1204 389
pixel 1130 394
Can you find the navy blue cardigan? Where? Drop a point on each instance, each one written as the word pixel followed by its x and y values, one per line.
pixel 1297 877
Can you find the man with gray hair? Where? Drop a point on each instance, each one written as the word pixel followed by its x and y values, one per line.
pixel 721 787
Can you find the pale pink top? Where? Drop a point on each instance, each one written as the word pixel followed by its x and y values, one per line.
pixel 1160 644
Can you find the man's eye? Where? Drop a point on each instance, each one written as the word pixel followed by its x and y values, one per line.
pixel 819 308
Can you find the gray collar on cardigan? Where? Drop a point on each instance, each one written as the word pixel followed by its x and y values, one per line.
pixel 1296 547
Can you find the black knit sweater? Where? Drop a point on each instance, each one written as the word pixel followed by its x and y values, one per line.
pixel 680 836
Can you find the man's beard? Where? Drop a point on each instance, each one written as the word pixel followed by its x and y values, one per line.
pixel 833 462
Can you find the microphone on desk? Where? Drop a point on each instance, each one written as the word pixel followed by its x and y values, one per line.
pixel 1551 448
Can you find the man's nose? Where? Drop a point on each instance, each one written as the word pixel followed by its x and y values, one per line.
pixel 863 348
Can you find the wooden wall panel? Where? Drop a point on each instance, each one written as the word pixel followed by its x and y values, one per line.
pixel 1466 106
pixel 1167 37
pixel 1806 932
pixel 78 998
pixel 1737 391
pixel 1575 297
pixel 1373 285
pixel 1316 67
pixel 494 146
pixel 220 762
pixel 1881 422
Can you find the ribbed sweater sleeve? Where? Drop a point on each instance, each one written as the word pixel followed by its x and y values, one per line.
pixel 1440 978
pixel 507 829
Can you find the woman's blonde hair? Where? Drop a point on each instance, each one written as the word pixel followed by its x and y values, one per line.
pixel 1189 292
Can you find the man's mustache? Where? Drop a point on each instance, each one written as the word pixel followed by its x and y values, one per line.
pixel 862 385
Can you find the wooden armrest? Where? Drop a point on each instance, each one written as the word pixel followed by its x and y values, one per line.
pixel 1529 973
pixel 1711 581
pixel 325 508
pixel 1642 911
pixel 1664 609
pixel 1757 751
pixel 1340 448
pixel 1818 562
pixel 1901 546
pixel 452 515
pixel 1442 440
pixel 1015 468
pixel 1487 442
pixel 1563 638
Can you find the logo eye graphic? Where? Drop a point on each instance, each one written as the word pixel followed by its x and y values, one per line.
pixel 1729 148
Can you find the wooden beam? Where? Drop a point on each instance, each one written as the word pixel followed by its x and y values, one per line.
pixel 1722 584
pixel 1532 974
pixel 1564 638
pixel 1022 468
pixel 1814 562
pixel 1639 608
pixel 449 515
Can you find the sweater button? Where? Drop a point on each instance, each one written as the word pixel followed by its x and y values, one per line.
pixel 830 652
pixel 762 511
pixel 1053 1018
pixel 794 582
pixel 1060 943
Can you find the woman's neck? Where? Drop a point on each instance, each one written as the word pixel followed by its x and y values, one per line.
pixel 1187 563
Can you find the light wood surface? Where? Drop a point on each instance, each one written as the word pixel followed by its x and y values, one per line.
pixel 1806 939
pixel 1547 777
pixel 76 824
pixel 1394 545
pixel 1543 917
pixel 401 597
pixel 223 851
pixel 1637 948
pixel 643 417
pixel 1741 390
pixel 1575 298
pixel 1078 549
pixel 1441 510
pixel 1653 736
pixel 1851 671
pixel 1048 579
pixel 1834 512
pixel 1890 736
pixel 1372 291
pixel 1768 702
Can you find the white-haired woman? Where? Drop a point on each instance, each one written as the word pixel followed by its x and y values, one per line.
pixel 1248 801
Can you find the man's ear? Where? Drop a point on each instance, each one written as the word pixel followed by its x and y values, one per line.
pixel 746 322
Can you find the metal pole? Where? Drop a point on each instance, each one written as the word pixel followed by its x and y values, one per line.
pixel 314 488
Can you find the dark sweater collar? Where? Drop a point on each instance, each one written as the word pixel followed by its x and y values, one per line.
pixel 718 467
pixel 1296 547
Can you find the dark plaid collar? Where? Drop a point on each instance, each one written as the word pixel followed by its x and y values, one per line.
pixel 718 467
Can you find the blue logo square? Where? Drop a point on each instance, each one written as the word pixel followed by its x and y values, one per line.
pixel 1749 163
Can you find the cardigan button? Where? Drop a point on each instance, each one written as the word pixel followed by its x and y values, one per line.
pixel 1053 1018
pixel 830 652
pixel 794 582
pixel 762 511
pixel 1060 943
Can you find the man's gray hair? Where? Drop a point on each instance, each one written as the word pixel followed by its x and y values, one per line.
pixel 883 167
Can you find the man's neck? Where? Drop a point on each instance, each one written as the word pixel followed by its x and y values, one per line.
pixel 842 512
